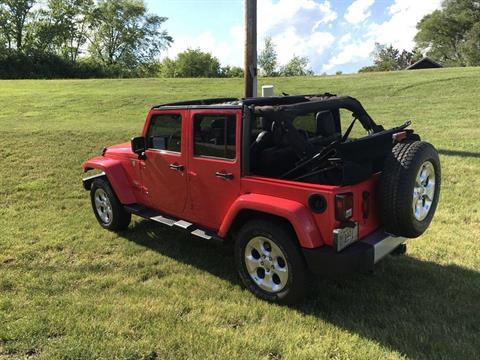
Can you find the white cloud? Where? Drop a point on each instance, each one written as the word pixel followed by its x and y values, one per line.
pixel 304 28
pixel 345 39
pixel 289 43
pixel 297 27
pixel 305 15
pixel 351 52
pixel 294 25
pixel 400 29
pixel 358 11
pixel 206 41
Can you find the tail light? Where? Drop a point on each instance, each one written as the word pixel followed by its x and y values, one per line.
pixel 400 136
pixel 343 206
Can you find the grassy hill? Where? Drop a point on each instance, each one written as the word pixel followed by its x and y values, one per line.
pixel 70 290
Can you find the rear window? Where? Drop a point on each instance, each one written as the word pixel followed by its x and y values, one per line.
pixel 215 136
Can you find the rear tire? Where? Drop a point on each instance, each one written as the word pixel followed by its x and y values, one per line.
pixel 107 208
pixel 409 188
pixel 269 262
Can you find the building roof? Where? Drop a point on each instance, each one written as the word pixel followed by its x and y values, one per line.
pixel 425 63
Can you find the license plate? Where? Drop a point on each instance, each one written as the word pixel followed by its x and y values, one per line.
pixel 344 237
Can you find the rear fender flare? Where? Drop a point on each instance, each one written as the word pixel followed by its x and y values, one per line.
pixel 294 212
pixel 116 176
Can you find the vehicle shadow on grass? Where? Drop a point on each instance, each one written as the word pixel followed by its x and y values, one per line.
pixel 420 309
pixel 459 153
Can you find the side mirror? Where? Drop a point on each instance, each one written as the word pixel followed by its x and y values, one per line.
pixel 138 145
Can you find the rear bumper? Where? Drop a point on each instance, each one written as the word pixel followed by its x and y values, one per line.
pixel 358 257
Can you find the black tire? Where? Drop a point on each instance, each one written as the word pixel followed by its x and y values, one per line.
pixel 119 219
pixel 295 288
pixel 396 187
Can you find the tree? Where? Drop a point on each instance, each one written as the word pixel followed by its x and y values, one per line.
pixel 267 59
pixel 13 18
pixel 195 63
pixel 471 47
pixel 63 27
pixel 167 68
pixel 124 34
pixel 231 72
pixel 388 58
pixel 407 58
pixel 5 30
pixel 369 68
pixel 297 66
pixel 448 34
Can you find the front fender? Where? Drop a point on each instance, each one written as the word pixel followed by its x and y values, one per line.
pixel 116 175
pixel 296 213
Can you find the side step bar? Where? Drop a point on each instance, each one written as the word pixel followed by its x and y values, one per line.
pixel 183 224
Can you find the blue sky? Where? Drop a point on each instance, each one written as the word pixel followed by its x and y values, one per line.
pixel 334 34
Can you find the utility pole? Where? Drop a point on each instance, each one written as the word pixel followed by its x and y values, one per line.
pixel 250 48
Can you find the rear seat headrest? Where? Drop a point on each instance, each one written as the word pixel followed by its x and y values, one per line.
pixel 325 123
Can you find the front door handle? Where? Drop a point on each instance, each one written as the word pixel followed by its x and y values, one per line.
pixel 224 175
pixel 176 167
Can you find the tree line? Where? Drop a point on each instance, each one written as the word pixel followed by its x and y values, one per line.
pixel 79 38
pixel 120 38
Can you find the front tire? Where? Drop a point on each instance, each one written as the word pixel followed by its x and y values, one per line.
pixel 269 262
pixel 107 208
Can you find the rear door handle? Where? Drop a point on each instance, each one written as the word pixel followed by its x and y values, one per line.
pixel 224 175
pixel 176 167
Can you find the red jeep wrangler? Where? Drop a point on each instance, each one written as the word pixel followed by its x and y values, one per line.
pixel 280 177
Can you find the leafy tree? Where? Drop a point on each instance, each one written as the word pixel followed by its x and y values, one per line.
pixel 231 72
pixel 339 72
pixel 267 59
pixel 448 35
pixel 13 19
pixel 6 31
pixel 388 58
pixel 365 69
pixel 471 47
pixel 63 27
pixel 124 34
pixel 167 68
pixel 407 58
pixel 297 66
pixel 191 63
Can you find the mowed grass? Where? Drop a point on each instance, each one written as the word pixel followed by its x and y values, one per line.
pixel 71 290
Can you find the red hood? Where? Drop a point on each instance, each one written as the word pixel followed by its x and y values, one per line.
pixel 120 150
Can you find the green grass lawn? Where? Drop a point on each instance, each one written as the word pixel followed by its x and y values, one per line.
pixel 71 290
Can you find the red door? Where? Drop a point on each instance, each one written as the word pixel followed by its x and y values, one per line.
pixel 213 164
pixel 164 169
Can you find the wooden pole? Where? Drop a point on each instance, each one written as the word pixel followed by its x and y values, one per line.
pixel 250 48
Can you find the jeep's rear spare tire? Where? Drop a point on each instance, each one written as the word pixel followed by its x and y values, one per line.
pixel 409 188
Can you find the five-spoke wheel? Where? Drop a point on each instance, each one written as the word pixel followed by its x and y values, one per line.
pixel 266 264
pixel 103 206
pixel 424 191
pixel 269 261
pixel 107 208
